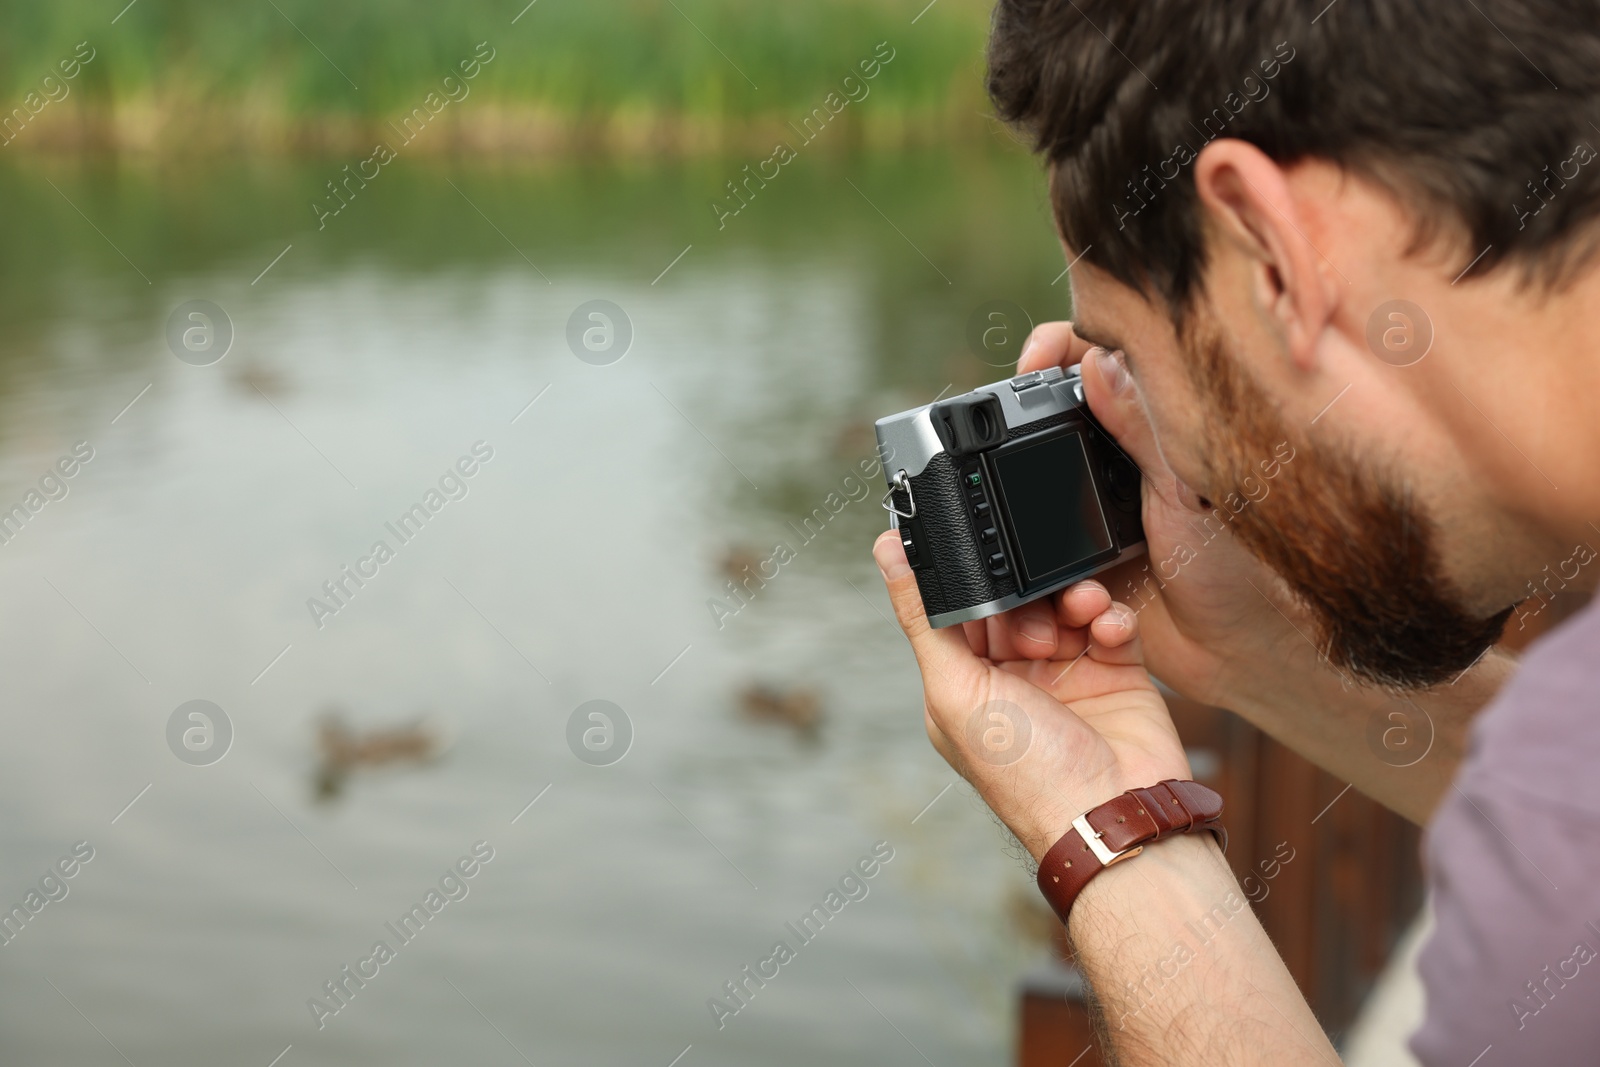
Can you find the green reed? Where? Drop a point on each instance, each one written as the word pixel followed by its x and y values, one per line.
pixel 710 62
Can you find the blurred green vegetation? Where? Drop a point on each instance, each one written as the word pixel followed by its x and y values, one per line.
pixel 268 69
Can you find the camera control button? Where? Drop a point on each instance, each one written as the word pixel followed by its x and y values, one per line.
pixel 990 535
pixel 997 561
pixel 980 510
pixel 1033 378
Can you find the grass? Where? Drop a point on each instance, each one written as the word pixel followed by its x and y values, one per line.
pixel 681 74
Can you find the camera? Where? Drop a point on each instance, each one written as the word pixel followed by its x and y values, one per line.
pixel 1006 494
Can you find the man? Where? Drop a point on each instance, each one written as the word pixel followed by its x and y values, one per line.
pixel 1361 235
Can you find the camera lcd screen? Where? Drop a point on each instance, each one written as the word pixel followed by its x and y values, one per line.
pixel 1051 505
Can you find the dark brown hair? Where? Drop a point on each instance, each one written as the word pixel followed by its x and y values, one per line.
pixel 1484 116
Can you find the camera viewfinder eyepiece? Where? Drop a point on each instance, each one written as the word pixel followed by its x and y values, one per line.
pixel 969 423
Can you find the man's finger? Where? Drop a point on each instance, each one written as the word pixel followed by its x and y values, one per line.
pixel 943 654
pixel 1081 603
pixel 1109 390
pixel 1028 632
pixel 1114 636
pixel 1051 344
pixel 977 636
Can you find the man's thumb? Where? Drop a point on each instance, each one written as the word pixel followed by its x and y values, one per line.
pixel 901 582
pixel 945 651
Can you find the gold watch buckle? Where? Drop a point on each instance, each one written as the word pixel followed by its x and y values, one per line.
pixel 1091 837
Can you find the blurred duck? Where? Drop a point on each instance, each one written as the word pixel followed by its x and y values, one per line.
pixel 739 562
pixel 343 749
pixel 797 708
pixel 258 378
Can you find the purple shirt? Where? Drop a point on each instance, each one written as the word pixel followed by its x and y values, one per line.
pixel 1512 969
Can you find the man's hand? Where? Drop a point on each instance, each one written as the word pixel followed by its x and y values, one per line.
pixel 1046 738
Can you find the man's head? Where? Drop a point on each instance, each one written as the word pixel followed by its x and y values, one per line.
pixel 1252 188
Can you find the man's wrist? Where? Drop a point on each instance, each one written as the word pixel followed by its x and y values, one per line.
pixel 1045 829
pixel 1172 871
pixel 1182 970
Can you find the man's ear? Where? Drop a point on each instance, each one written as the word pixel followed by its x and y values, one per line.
pixel 1251 208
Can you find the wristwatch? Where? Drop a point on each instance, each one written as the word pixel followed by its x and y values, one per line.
pixel 1119 829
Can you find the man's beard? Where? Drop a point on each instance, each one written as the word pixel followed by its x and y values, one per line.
pixel 1356 549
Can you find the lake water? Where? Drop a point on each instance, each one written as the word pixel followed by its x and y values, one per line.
pixel 577 563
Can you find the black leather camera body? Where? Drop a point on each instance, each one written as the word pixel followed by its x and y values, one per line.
pixel 1006 494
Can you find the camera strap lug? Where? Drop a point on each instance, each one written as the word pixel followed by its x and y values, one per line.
pixel 902 482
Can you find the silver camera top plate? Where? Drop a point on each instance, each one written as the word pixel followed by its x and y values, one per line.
pixel 908 440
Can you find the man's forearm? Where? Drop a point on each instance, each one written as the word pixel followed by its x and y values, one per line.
pixel 1400 750
pixel 1181 969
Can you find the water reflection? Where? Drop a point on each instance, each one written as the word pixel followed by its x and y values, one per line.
pixel 771 746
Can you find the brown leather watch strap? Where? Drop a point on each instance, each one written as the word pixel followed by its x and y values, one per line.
pixel 1119 829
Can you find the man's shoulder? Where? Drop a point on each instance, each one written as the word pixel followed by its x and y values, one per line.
pixel 1541 734
pixel 1514 870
